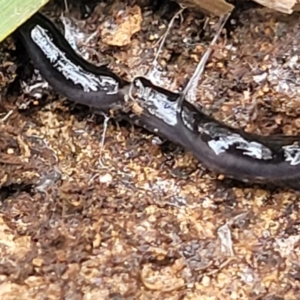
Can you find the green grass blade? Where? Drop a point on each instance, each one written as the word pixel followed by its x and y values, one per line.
pixel 15 12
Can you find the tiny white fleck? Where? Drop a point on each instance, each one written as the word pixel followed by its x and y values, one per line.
pixel 106 178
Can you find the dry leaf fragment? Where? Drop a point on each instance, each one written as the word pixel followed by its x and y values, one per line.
pixel 127 23
pixel 285 6
pixel 216 7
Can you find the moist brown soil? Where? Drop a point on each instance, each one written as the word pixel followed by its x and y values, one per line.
pixel 97 210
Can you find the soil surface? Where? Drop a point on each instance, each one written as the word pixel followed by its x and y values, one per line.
pixel 94 209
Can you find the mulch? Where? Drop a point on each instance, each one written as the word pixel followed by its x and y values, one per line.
pixel 95 209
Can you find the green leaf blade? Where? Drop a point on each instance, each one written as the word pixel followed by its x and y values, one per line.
pixel 13 13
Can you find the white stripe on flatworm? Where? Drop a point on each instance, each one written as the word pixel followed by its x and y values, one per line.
pixel 292 154
pixel 157 103
pixel 253 149
pixel 68 69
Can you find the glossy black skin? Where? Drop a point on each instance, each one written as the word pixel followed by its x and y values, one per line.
pixel 154 124
pixel 232 163
pixel 98 100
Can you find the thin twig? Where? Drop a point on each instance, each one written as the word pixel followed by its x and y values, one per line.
pixel 66 6
pixel 191 86
pixel 6 117
pixel 162 40
pixel 106 119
